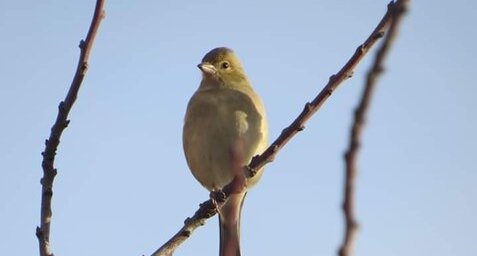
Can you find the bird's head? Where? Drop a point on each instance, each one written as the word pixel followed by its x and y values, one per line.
pixel 222 65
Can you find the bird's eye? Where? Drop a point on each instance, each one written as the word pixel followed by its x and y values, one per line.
pixel 225 65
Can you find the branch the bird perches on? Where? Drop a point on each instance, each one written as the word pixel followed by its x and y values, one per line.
pixel 208 208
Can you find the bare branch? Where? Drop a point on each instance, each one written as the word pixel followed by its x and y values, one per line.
pixel 51 144
pixel 351 225
pixel 208 208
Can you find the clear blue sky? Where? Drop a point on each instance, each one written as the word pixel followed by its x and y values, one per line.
pixel 123 186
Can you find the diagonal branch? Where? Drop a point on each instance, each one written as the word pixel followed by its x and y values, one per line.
pixel 208 209
pixel 351 225
pixel 51 144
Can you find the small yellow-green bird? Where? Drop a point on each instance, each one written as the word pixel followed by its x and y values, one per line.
pixel 224 127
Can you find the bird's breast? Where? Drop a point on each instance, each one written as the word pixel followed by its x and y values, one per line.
pixel 223 129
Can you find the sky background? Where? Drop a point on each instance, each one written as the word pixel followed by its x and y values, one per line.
pixel 123 186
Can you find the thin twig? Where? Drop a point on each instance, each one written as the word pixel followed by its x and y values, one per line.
pixel 351 225
pixel 51 144
pixel 208 208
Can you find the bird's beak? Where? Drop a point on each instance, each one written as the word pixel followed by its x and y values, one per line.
pixel 207 68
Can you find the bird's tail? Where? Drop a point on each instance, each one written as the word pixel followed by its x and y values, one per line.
pixel 229 221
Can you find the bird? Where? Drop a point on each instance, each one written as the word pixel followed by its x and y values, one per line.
pixel 225 126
